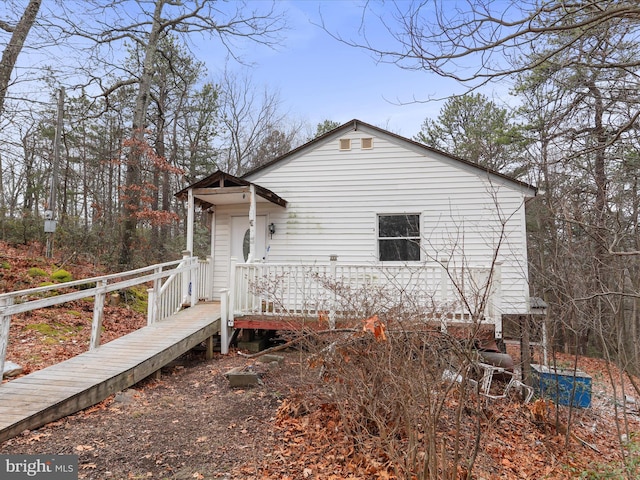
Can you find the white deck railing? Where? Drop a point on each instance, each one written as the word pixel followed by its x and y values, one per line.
pixel 338 290
pixel 205 279
pixel 181 288
pixel 175 285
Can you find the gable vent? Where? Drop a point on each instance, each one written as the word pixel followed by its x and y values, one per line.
pixel 366 143
pixel 345 144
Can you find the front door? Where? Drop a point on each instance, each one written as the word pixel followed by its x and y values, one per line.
pixel 240 238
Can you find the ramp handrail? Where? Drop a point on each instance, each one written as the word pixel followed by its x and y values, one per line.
pixel 164 297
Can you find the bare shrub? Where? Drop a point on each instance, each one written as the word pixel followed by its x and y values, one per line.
pixel 404 396
pixel 406 390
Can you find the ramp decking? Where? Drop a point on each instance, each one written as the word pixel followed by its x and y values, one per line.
pixel 46 395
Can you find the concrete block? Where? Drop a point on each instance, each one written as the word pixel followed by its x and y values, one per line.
pixel 243 379
pixel 11 369
pixel 269 358
pixel 254 346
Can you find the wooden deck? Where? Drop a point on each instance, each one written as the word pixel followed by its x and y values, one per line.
pixel 46 395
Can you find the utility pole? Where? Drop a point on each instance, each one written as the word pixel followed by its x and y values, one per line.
pixel 50 221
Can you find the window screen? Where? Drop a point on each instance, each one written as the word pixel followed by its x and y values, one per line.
pixel 399 238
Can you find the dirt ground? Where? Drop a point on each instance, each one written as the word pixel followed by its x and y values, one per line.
pixel 189 424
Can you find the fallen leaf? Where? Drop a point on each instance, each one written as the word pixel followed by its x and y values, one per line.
pixel 37 437
pixel 375 326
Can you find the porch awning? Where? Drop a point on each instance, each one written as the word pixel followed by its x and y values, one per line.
pixel 221 188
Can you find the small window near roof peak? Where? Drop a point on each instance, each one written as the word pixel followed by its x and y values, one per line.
pixel 366 143
pixel 345 144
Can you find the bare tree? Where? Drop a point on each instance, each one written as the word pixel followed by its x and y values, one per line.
pixel 19 33
pixel 579 62
pixel 477 41
pixel 251 116
pixel 131 21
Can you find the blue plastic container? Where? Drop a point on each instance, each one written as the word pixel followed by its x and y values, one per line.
pixel 563 386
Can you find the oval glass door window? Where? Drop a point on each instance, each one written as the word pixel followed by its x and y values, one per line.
pixel 245 244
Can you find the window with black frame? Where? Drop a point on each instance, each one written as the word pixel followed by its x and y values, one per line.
pixel 399 238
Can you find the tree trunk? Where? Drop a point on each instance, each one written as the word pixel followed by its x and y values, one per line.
pixel 160 147
pixel 3 204
pixel 13 48
pixel 603 315
pixel 135 155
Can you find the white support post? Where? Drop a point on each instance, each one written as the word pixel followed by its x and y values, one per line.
pixel 252 224
pixel 186 278
pixel 194 284
pixel 153 299
pixel 224 321
pixel 209 279
pixel 98 314
pixel 151 306
pixel 212 257
pixel 232 290
pixel 190 220
pixel 5 322
pixel 333 260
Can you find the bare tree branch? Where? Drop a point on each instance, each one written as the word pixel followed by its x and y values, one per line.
pixel 478 41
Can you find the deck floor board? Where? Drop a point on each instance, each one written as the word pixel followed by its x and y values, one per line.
pixel 49 394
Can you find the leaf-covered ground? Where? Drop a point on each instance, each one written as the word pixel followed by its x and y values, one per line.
pixel 191 424
pixel 47 336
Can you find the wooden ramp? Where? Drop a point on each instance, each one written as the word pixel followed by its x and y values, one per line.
pixel 46 395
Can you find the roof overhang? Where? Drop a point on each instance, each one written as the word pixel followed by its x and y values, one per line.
pixel 221 188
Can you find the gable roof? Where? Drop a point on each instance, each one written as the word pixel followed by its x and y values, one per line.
pixel 226 188
pixel 356 124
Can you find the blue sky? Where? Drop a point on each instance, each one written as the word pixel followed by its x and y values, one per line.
pixel 316 76
pixel 320 78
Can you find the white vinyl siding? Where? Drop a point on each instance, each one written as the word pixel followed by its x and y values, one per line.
pixel 334 199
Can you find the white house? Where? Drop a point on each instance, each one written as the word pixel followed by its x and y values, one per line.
pixel 373 202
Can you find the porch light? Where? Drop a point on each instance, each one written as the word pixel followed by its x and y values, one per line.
pixel 272 229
